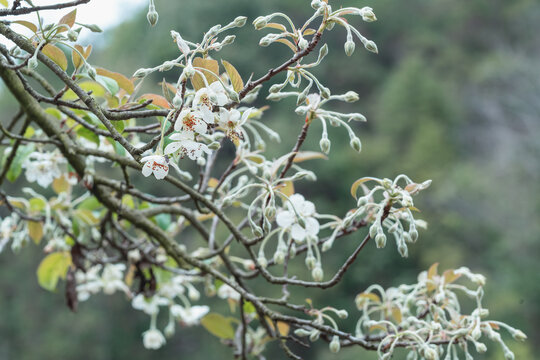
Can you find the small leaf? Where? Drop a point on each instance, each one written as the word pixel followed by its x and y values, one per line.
pixel 86 216
pixel 120 79
pixel 156 100
pixel 287 188
pixel 56 55
pixel 309 31
pixel 288 43
pixel 88 135
pixel 60 185
pixel 283 328
pixel 357 183
pixel 309 155
pixel 450 276
pixel 208 64
pixel 28 25
pixel 4 2
pixel 53 267
pixel 396 314
pixel 110 84
pixel 218 325
pixel 249 308
pixel 360 298
pixel 22 154
pixel 68 19
pixel 432 272
pixel 37 205
pixel 236 79
pixel 35 231
pixel 276 26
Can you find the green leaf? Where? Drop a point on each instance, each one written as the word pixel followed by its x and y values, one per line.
pixel 16 166
pixel 218 325
pixel 53 267
pixel 88 135
pixel 35 231
pixel 37 204
pixel 90 203
pixel 119 125
pixel 236 79
pixel 110 84
pixel 163 220
pixel 120 79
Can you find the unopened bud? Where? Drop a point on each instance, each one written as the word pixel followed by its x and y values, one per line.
pixel 349 47
pixel 314 336
pixel 72 35
pixel 257 231
pixel 325 92
pixel 139 74
pixel 519 335
pixel 371 46
pixel 177 101
pixel 310 261
pixel 480 347
pixel 275 88
pixel 351 96
pixel 262 261
pixel 193 294
pixel 356 144
pixel 367 14
pixel 201 161
pixel 93 28
pixel 240 21
pixel 260 22
pixel 229 39
pixel 270 212
pixel 343 314
pixel 317 273
pixel 213 30
pixel 334 344
pixel 316 4
pixel 152 16
pixel 91 71
pixel 169 330
pixel 279 257
pixel 357 117
pixel 380 240
pixel 373 230
pixel 265 41
pixel 189 71
pixel 32 63
pixel 403 250
pixel 301 332
pixel 413 233
pixel 303 43
pixel 325 145
pixel 167 65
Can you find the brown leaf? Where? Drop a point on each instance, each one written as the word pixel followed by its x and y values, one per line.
pixel 56 55
pixel 288 43
pixel 209 64
pixel 71 290
pixel 122 80
pixel 236 79
pixel 156 100
pixel 68 19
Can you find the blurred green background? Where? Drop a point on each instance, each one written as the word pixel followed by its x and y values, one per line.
pixel 453 96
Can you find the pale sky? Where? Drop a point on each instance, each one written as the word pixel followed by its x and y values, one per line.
pixel 105 13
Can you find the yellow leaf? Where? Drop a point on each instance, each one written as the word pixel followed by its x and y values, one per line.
pixel 396 314
pixel 211 73
pixel 68 19
pixel 276 26
pixel 4 2
pixel 288 43
pixel 27 24
pixel 309 31
pixel 122 80
pixel 377 327
pixel 450 276
pixel 96 89
pixel 130 275
pixel 213 182
pixel 52 268
pixel 218 325
pixel 432 272
pixel 308 155
pixel 360 298
pixel 357 183
pixel 283 328
pixel 236 79
pixel 56 55
pixel 60 184
pixel 287 188
pixel 156 100
pixel 35 230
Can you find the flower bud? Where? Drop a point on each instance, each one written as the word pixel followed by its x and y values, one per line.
pixel 413 233
pixel 257 231
pixel 72 35
pixel 193 294
pixel 229 39
pixel 301 110
pixel 317 273
pixel 373 230
pixel 325 92
pixel 357 117
pixel 91 71
pixel 351 96
pixel 32 63
pixel 380 240
pixel 387 183
pixel 519 335
pixel 213 31
pixel 265 41
pixel 139 74
pixel 480 347
pixel 508 355
pixel 240 21
pixel 349 47
pixel 315 4
pixel 275 88
pixel 325 145
pixel 314 336
pixel 343 314
pixel 403 250
pixel 93 28
pixel 302 43
pixel 169 330
pixel 260 22
pixel 371 46
pixel 367 14
pixel 356 144
pixel 262 261
pixel 334 344
pixel 301 332
pixel 279 257
pixel 177 101
pixel 201 161
pixel 270 212
pixel 152 16
pixel 310 261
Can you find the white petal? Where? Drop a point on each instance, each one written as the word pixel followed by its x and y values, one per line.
pixel 298 232
pixel 307 209
pixel 285 218
pixel 147 168
pixel 296 200
pixel 160 171
pixel 312 226
pixel 172 147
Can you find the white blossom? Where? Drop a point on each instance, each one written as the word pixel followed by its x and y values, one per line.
pixel 88 283
pixel 189 315
pixel 231 121
pixel 112 279
pixel 227 292
pixel 155 164
pixel 209 96
pixel 194 121
pixel 153 339
pixel 149 306
pixel 43 168
pixel 185 142
pixel 288 219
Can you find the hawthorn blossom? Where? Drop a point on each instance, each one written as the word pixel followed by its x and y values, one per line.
pixel 227 292
pixel 172 288
pixel 88 283
pixel 43 167
pixel 194 121
pixel 209 96
pixel 185 142
pixel 289 219
pixel 189 315
pixel 231 121
pixel 153 339
pixel 149 306
pixel 112 279
pixel 156 164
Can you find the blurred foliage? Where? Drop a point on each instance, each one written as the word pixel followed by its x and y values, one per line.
pixel 452 96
